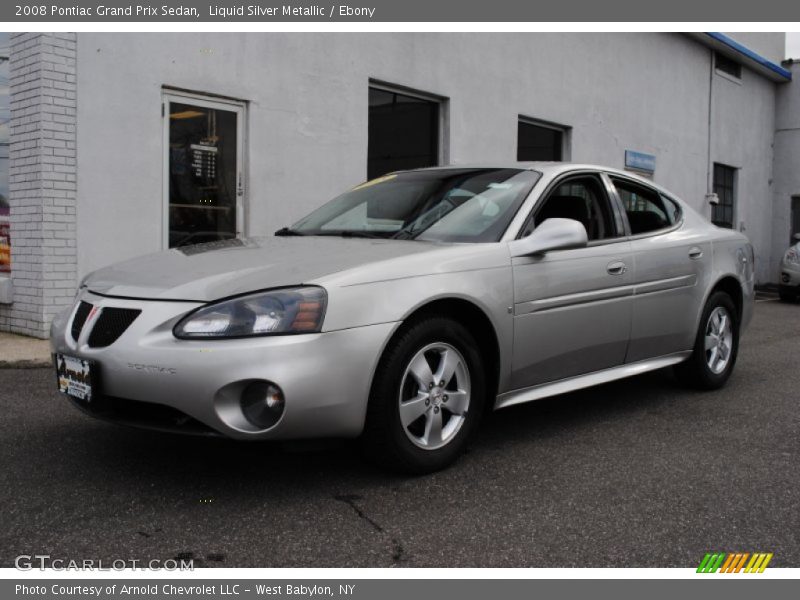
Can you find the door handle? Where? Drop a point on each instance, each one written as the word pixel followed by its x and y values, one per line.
pixel 616 268
pixel 695 253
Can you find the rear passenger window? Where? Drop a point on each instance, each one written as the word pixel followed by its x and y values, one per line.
pixel 647 210
pixel 673 210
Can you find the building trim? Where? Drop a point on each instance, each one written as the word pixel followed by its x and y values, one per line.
pixel 741 53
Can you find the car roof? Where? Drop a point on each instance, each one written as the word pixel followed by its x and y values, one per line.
pixel 550 169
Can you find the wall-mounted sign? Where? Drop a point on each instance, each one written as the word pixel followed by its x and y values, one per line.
pixel 640 161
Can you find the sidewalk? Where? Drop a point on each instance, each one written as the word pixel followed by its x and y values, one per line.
pixel 19 351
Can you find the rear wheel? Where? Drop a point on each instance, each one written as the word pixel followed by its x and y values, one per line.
pixel 427 397
pixel 716 345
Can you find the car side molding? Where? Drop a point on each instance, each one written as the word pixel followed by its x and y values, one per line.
pixel 571 384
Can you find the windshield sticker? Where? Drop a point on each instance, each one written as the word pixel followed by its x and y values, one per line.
pixel 375 181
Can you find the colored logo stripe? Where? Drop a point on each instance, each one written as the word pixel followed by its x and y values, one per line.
pixel 734 562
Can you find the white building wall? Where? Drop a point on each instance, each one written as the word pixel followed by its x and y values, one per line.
pixel 787 167
pixel 307 112
pixel 307 130
pixel 742 134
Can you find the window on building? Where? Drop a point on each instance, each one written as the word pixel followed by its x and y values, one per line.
pixel 403 132
pixel 647 210
pixel 795 219
pixel 203 169
pixel 727 65
pixel 722 214
pixel 536 141
pixel 5 117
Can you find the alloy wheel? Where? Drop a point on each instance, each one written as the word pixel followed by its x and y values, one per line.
pixel 434 396
pixel 719 340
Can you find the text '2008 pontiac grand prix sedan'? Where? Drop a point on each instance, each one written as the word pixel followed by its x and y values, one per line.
pixel 403 309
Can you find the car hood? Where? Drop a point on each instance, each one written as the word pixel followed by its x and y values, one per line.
pixel 206 272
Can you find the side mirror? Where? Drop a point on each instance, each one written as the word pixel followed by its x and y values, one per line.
pixel 552 234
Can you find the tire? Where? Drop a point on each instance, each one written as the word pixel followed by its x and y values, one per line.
pixel 703 369
pixel 410 444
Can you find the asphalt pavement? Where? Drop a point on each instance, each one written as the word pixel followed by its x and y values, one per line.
pixel 638 473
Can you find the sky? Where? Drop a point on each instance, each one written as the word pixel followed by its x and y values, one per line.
pixel 793 45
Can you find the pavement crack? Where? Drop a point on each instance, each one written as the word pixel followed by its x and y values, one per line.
pixel 350 500
pixel 398 551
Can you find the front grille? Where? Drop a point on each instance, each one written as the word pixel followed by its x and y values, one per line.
pixel 111 324
pixel 143 414
pixel 84 308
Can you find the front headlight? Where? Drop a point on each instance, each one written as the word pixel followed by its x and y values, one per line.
pixel 792 256
pixel 275 312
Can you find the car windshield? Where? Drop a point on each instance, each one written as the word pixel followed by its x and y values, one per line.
pixel 449 205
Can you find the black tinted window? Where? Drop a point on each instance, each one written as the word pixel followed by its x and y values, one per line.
pixel 403 132
pixel 727 65
pixel 535 142
pixel 580 199
pixel 647 210
pixel 725 189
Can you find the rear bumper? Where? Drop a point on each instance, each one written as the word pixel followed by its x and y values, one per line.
pixel 148 378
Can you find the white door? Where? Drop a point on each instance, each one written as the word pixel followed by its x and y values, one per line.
pixel 203 169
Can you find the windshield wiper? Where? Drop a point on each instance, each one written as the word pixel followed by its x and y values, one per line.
pixel 352 234
pixel 286 232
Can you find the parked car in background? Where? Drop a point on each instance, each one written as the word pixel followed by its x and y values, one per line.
pixel 404 308
pixel 790 273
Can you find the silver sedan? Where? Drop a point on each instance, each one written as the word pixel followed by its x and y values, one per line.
pixel 403 309
pixel 790 272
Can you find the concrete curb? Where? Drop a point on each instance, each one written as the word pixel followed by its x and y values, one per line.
pixel 22 352
pixel 25 364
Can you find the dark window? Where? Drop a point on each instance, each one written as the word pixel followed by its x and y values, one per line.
pixel 725 189
pixel 535 142
pixel 403 133
pixel 647 210
pixel 581 199
pixel 203 146
pixel 727 65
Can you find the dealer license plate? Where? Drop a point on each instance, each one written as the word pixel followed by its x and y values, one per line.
pixel 74 376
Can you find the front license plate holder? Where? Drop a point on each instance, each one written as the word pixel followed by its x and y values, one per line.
pixel 75 376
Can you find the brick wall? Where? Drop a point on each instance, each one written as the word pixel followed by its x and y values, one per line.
pixel 42 180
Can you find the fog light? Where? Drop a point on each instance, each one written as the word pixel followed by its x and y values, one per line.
pixel 262 404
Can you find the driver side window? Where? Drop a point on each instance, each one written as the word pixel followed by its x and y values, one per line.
pixel 581 199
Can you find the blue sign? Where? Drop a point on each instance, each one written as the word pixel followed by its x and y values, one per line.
pixel 640 161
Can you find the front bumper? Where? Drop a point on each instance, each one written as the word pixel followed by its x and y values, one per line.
pixel 149 378
pixel 790 275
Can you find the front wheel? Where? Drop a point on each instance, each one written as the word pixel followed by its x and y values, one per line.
pixel 427 397
pixel 716 345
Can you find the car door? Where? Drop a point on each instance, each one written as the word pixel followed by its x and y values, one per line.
pixel 669 268
pixel 572 308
